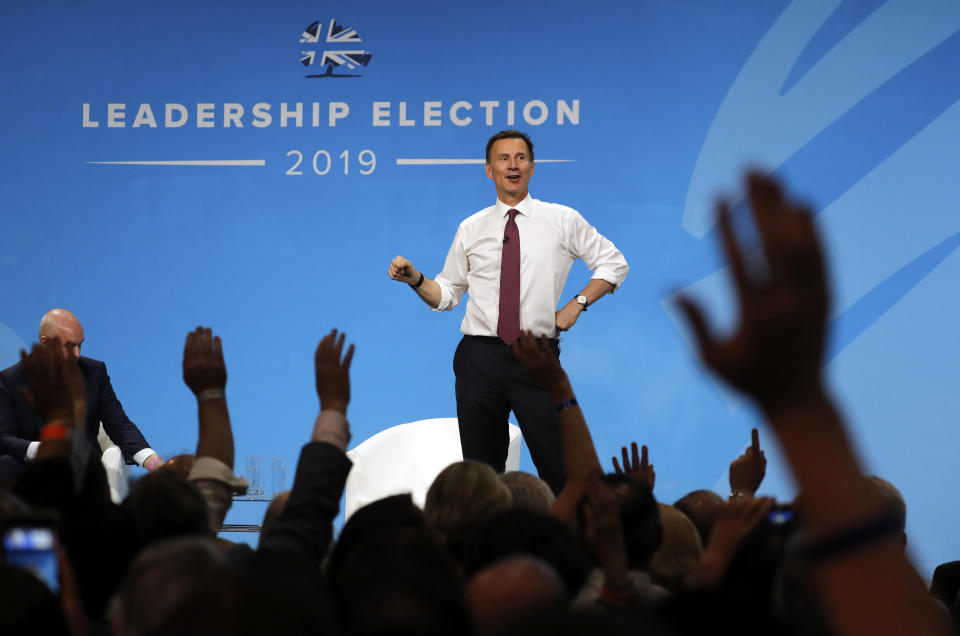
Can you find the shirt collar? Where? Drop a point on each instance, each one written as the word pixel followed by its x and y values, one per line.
pixel 525 207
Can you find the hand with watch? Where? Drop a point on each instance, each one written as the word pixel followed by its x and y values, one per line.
pixel 568 314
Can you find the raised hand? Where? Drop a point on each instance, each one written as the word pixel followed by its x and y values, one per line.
pixel 333 374
pixel 55 386
pixel 748 470
pixel 737 519
pixel 203 366
pixel 776 353
pixel 543 365
pixel 640 467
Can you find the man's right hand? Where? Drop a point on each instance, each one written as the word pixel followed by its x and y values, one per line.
pixel 403 270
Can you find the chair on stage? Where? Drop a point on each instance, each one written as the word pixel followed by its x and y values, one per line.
pixel 118 472
pixel 407 458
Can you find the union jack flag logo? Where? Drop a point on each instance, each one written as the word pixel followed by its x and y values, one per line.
pixel 337 46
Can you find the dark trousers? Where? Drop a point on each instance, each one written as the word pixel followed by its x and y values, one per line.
pixel 490 384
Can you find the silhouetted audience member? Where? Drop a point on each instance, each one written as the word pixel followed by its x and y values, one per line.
pixel 164 505
pixel 702 508
pixel 464 495
pixel 511 590
pixel 401 581
pixel 517 532
pixel 679 551
pixel 27 606
pixel 276 506
pixel 892 500
pixel 528 491
pixel 395 512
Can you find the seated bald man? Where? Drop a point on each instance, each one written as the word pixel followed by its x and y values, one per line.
pixel 20 426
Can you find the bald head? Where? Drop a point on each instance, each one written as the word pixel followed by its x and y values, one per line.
pixel 60 323
pixel 702 507
pixel 511 589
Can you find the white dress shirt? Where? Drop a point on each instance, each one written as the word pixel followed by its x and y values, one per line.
pixel 552 237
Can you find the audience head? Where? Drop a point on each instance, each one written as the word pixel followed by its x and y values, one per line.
pixel 517 532
pixel 462 496
pixel 27 606
pixel 679 553
pixel 164 505
pixel 528 491
pixel 702 508
pixel 396 512
pixel 61 324
pixel 163 578
pixel 274 510
pixel 192 586
pixel 891 500
pixel 400 581
pixel 510 590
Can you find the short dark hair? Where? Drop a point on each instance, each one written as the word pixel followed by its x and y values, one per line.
pixel 164 505
pixel 509 134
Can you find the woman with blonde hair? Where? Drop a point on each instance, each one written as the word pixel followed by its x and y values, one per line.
pixel 679 551
pixel 462 496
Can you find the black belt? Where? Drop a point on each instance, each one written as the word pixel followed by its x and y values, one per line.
pixel 552 341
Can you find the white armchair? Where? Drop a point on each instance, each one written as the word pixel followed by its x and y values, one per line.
pixel 407 458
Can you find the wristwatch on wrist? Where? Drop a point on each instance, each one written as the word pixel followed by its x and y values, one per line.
pixel 582 301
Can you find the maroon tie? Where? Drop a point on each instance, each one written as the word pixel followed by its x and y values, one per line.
pixel 508 326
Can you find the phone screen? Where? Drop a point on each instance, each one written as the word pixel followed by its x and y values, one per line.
pixel 780 515
pixel 33 548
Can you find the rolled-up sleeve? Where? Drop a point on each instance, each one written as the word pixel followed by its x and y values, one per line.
pixel 453 278
pixel 598 252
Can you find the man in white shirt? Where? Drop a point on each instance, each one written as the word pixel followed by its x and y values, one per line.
pixel 513 257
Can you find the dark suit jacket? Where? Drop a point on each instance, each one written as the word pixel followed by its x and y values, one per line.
pixel 19 425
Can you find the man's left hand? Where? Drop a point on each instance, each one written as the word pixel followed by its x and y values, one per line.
pixel 568 314
pixel 153 462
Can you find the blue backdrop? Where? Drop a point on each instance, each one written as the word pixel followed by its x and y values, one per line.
pixel 293 193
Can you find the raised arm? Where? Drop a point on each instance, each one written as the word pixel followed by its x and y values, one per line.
pixel 775 356
pixel 579 454
pixel 748 470
pixel 305 527
pixel 205 373
pixel 640 467
pixel 56 392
